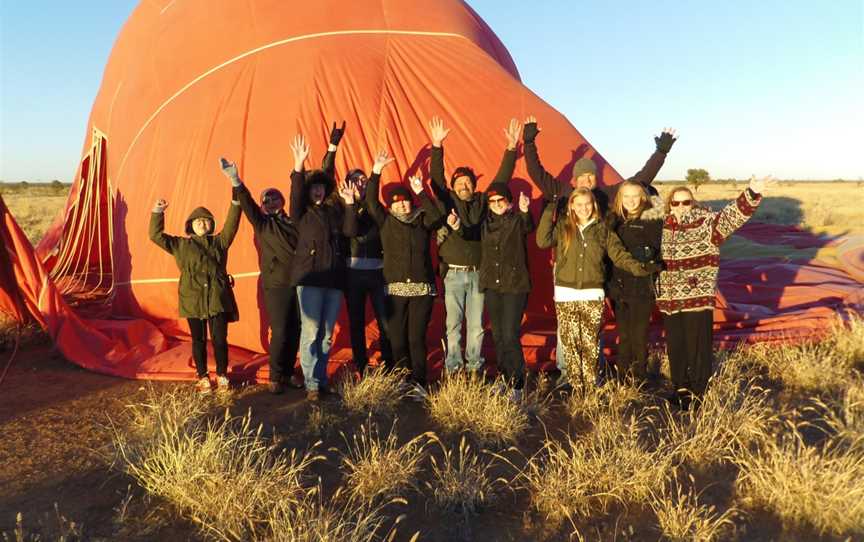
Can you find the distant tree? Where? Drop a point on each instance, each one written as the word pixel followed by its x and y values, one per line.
pixel 697 177
pixel 56 185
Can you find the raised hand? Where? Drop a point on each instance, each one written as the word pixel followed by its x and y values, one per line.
pixel 337 133
pixel 301 151
pixel 346 192
pixel 531 129
pixel 160 206
pixel 524 202
pixel 437 132
pixel 453 220
pixel 512 133
pixel 665 140
pixel 759 185
pixel 382 160
pixel 230 170
pixel 416 183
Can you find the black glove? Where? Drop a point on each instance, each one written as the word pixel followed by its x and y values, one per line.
pixel 529 133
pixel 664 142
pixel 336 134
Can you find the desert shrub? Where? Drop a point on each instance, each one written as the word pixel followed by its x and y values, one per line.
pixel 379 391
pixel 379 467
pixel 612 398
pixel 682 518
pixel 460 480
pixel 467 403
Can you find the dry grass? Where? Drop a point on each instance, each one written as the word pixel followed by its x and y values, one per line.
pixel 220 473
pixel 461 482
pixel 34 209
pixel 466 403
pixel 379 391
pixel 377 467
pixel 64 531
pixel 612 398
pixel 682 518
pixel 806 486
pixel 580 477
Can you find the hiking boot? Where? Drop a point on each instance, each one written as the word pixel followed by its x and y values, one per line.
pixel 296 382
pixel 276 388
pixel 222 384
pixel 312 396
pixel 203 385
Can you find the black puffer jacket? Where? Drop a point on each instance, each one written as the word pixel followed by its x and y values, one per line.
pixel 277 240
pixel 406 244
pixel 504 264
pixel 367 243
pixel 641 237
pixel 321 249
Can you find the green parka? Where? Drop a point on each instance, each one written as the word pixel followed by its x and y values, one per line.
pixel 205 289
pixel 581 266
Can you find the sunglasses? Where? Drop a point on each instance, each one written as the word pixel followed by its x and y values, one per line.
pixel 684 202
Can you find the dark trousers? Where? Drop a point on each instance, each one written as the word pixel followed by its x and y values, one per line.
pixel 409 321
pixel 363 284
pixel 284 315
pixel 218 336
pixel 689 342
pixel 505 314
pixel 631 319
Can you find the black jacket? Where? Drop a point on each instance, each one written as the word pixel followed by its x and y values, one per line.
pixel 641 237
pixel 367 243
pixel 553 190
pixel 321 254
pixel 277 240
pixel 463 249
pixel 406 245
pixel 504 263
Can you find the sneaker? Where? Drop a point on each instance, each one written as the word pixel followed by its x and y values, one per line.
pixel 203 385
pixel 296 382
pixel 418 393
pixel 312 396
pixel 276 388
pixel 222 383
pixel 563 383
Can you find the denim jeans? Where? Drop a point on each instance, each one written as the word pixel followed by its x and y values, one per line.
pixel 463 301
pixel 319 308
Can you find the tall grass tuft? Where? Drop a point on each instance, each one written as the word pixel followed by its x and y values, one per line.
pixel 613 398
pixel 379 391
pixel 466 403
pixel 221 473
pixel 378 467
pixel 805 486
pixel 461 482
pixel 683 519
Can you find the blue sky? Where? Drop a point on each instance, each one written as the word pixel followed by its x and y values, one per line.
pixel 753 87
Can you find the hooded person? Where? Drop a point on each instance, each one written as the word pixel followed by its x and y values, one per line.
pixel 324 221
pixel 405 234
pixel 206 298
pixel 459 255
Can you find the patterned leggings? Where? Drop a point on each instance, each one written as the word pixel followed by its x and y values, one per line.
pixel 579 327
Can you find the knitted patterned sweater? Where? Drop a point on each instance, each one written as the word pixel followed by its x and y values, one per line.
pixel 691 253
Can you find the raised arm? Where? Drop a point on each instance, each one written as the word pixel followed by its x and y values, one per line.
pixel 526 221
pixel 737 213
pixel 508 161
pixel 297 205
pixel 241 194
pixel 432 216
pixel 328 163
pixel 373 204
pixel 548 185
pixel 546 228
pixel 663 142
pixel 166 242
pixel 232 223
pixel 437 134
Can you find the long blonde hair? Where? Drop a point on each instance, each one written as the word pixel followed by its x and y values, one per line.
pixel 571 223
pixel 618 204
pixel 672 193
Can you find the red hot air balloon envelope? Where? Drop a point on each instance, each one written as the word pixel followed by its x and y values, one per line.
pixel 189 81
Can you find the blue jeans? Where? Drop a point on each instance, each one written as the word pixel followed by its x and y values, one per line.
pixel 463 301
pixel 319 308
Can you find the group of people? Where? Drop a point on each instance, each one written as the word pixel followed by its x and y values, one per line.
pixel 339 240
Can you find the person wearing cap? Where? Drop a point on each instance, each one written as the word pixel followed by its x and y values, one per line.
pixel 366 278
pixel 206 297
pixel 505 278
pixel 459 255
pixel 405 233
pixel 318 271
